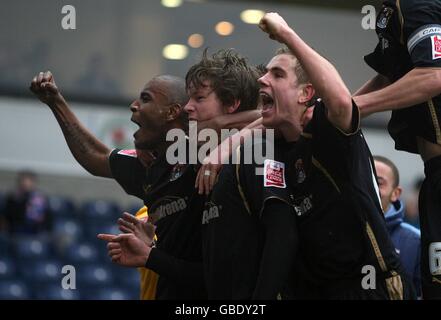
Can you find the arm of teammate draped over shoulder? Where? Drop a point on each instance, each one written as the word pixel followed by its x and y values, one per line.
pixel 90 153
pixel 220 155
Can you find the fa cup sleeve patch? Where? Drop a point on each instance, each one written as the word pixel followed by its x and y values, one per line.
pixel 436 47
pixel 129 153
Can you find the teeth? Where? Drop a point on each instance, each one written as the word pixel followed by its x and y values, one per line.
pixel 267 101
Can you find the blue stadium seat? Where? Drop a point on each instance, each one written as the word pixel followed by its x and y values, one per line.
pixel 56 292
pixel 61 206
pixel 92 229
pixel 42 271
pixel 67 227
pixel 93 276
pixel 13 290
pixel 4 245
pixel 7 268
pixel 82 252
pixel 126 277
pixel 100 210
pixel 113 294
pixel 31 248
pixel 66 232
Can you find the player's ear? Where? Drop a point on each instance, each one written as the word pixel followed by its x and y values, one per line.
pixel 395 196
pixel 174 111
pixel 306 94
pixel 233 107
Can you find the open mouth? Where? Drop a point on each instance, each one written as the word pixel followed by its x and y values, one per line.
pixel 267 101
pixel 137 123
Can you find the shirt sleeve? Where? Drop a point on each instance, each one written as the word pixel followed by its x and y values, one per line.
pixel 128 171
pixel 331 145
pixel 181 271
pixel 422 32
pixel 279 251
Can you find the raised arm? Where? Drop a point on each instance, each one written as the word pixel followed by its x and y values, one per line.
pixel 90 153
pixel 322 74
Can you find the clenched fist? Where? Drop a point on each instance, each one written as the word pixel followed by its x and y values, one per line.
pixel 273 24
pixel 44 87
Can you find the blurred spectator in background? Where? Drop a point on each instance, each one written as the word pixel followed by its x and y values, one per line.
pixel 97 81
pixel 26 210
pixel 406 238
pixel 412 213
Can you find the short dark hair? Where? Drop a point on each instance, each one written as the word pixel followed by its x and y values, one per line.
pixel 176 94
pixel 302 76
pixel 229 75
pixel 393 167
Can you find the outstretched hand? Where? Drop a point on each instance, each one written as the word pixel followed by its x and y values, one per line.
pixel 126 249
pixel 142 229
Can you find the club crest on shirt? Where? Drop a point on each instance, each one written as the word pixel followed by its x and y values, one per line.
pixel 436 47
pixel 177 171
pixel 274 174
pixel 384 17
pixel 300 171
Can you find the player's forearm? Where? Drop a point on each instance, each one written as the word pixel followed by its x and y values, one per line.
pixel 228 146
pixel 90 153
pixel 179 270
pixel 376 83
pixel 322 74
pixel 238 120
pixel 417 86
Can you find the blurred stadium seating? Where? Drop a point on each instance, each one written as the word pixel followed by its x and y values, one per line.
pixel 31 266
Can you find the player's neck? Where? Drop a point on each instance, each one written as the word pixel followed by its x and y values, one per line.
pixel 291 131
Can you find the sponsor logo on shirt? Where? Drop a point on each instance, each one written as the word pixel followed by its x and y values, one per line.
pixel 211 212
pixel 166 206
pixel 436 47
pixel 129 153
pixel 304 206
pixel 274 174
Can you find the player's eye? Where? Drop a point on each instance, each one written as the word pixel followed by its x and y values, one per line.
pixel 145 97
